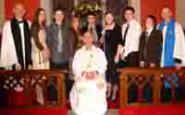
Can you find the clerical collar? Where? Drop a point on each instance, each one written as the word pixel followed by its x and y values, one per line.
pixel 19 21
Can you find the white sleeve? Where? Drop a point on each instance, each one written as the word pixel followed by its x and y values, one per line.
pixel 137 35
pixel 7 57
pixel 102 62
pixel 180 43
pixel 77 64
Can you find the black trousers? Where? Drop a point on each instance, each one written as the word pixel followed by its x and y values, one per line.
pixel 132 59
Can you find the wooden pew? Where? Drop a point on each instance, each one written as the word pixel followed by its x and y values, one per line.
pixel 29 75
pixel 140 76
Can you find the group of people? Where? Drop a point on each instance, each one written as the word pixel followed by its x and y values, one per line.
pixel 94 52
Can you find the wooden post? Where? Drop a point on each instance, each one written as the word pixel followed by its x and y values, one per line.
pixel 27 89
pixel 123 90
pixel 61 91
pixel 157 90
pixel 45 90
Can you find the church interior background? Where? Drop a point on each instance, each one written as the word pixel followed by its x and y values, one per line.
pixel 143 8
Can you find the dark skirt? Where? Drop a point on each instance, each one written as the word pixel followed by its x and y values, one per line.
pixel 111 73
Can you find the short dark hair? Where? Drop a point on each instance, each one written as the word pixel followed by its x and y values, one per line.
pixel 129 8
pixel 153 19
pixel 85 30
pixel 91 14
pixel 109 12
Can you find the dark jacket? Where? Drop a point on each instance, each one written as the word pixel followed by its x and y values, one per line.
pixel 150 50
pixel 52 42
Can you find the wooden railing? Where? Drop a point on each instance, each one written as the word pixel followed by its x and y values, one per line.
pixel 141 76
pixel 29 76
pixel 128 76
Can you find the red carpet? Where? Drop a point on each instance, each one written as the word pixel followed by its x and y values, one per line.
pixel 114 104
pixel 161 110
pixel 35 111
pixel 111 105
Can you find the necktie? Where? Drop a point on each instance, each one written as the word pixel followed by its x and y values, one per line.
pixel 19 22
pixel 125 35
pixel 146 36
pixel 60 41
pixel 145 46
pixel 93 29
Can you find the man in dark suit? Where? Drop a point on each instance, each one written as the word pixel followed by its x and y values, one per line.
pixel 150 46
pixel 150 49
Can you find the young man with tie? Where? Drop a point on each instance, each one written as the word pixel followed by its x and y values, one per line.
pixel 131 32
pixel 150 46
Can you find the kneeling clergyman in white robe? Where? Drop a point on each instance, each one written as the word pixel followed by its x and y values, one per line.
pixel 88 95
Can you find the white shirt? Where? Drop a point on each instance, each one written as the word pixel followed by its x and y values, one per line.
pixel 132 37
pixel 21 26
pixel 149 31
pixel 179 48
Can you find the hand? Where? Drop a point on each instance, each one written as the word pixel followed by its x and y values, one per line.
pixel 18 67
pixel 116 59
pixel 100 85
pixel 46 54
pixel 122 57
pixel 120 48
pixel 94 74
pixel 178 66
pixel 29 67
pixel 142 64
pixel 86 74
pixel 90 75
pixel 152 65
